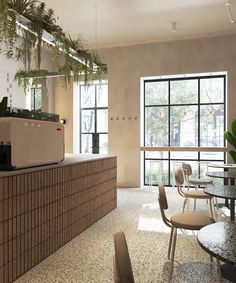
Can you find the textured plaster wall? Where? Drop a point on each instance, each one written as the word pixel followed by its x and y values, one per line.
pixel 18 95
pixel 125 67
pixel 64 107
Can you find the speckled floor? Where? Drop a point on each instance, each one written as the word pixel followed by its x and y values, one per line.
pixel 88 257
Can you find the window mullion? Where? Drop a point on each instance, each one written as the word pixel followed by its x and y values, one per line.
pixel 169 131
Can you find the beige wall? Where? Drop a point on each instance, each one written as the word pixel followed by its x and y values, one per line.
pixel 18 95
pixel 10 66
pixel 125 67
pixel 64 107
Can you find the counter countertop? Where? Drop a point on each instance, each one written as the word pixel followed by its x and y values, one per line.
pixel 69 160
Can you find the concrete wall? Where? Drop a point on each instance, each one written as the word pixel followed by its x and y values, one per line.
pixel 63 97
pixel 10 67
pixel 125 67
pixel 18 95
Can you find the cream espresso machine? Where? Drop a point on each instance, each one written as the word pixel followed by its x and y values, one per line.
pixel 30 142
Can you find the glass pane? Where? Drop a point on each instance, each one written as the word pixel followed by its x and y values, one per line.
pixel 183 125
pixel 156 154
pixel 87 121
pixel 212 125
pixel 156 93
pixel 32 99
pixel 183 155
pixel 36 99
pixel 103 143
pixel 102 120
pixel 212 155
pixel 102 95
pixel 156 126
pixel 212 90
pixel 87 96
pixel 86 144
pixel 156 172
pixel 184 92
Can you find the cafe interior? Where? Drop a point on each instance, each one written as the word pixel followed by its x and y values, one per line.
pixel 117 141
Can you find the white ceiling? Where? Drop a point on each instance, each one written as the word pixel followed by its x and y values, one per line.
pixel 125 22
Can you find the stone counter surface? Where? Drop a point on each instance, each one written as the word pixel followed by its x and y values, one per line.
pixel 42 208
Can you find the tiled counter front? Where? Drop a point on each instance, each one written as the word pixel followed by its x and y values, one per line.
pixel 42 210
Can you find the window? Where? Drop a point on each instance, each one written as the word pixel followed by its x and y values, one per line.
pixel 94 116
pixel 36 97
pixel 182 112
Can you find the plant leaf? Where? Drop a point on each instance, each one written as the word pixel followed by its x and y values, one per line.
pixel 233 126
pixel 230 138
pixel 233 155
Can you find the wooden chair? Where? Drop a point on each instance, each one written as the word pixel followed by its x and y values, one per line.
pixel 196 182
pixel 192 194
pixel 123 272
pixel 187 221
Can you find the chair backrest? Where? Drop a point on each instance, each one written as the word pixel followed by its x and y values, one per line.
pixel 187 169
pixel 163 204
pixel 179 177
pixel 123 272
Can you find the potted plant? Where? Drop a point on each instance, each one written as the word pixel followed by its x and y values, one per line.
pixel 231 138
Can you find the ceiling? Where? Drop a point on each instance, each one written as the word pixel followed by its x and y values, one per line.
pixel 108 23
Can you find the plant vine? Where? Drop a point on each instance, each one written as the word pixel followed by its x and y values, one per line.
pixel 25 44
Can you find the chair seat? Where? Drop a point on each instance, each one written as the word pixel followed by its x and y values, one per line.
pixel 200 182
pixel 191 221
pixel 197 194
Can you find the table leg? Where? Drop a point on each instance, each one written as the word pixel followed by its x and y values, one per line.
pixel 228 272
pixel 232 213
pixel 227 182
pixel 227 202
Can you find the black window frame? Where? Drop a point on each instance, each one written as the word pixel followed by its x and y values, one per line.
pixel 95 108
pixel 198 104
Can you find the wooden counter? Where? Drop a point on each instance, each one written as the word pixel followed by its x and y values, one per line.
pixel 42 208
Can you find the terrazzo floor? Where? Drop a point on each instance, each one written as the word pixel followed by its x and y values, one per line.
pixel 88 257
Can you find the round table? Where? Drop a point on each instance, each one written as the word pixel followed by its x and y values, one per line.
pixel 219 240
pixel 231 176
pixel 225 175
pixel 227 192
pixel 224 166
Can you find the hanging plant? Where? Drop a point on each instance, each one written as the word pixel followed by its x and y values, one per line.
pixel 28 78
pixel 24 44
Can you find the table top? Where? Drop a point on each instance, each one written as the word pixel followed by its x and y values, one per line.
pixel 227 166
pixel 222 191
pixel 225 174
pixel 219 240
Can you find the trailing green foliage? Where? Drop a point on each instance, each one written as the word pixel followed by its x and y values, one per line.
pixel 231 138
pixel 33 77
pixel 25 45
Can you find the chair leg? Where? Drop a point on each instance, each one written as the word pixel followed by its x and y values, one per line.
pixel 219 270
pixel 173 251
pixel 216 201
pixel 195 204
pixel 211 208
pixel 187 204
pixel 184 204
pixel 170 243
